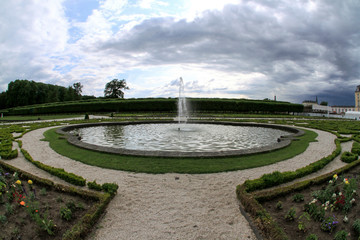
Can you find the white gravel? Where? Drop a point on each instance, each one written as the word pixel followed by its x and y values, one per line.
pixel 147 206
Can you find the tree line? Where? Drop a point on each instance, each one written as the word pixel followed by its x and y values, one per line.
pixel 25 92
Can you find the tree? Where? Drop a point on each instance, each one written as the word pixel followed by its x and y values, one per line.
pixel 78 88
pixel 114 88
pixel 323 103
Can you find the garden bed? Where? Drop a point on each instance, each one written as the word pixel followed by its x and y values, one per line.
pixel 36 208
pixel 327 207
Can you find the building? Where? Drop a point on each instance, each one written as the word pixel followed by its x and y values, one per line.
pixel 342 109
pixel 357 98
pixel 314 107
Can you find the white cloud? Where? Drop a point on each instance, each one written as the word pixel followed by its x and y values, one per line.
pixel 230 48
pixel 30 32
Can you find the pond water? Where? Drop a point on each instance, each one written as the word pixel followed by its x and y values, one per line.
pixel 180 137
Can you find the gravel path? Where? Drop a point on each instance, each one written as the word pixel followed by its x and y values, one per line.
pixel 169 206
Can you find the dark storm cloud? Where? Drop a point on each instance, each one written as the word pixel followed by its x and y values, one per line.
pixel 288 41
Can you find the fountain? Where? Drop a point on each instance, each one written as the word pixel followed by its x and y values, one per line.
pixel 182 107
pixel 168 139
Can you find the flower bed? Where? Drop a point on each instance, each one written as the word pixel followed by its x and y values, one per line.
pixel 35 208
pixel 326 207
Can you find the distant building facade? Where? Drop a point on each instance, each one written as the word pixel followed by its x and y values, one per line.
pixel 342 109
pixel 357 98
pixel 314 107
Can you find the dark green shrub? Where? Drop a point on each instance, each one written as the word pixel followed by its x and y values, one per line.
pixel 312 237
pixel 71 205
pixel 272 179
pixel 298 197
pixel 291 215
pixel 9 155
pixel 316 212
pixel 349 157
pixel 341 235
pixel 3 219
pixel 66 213
pixel 252 185
pixel 356 226
pixel 355 148
pixel 95 186
pixel 86 116
pixel 279 205
pixel 9 209
pixel 110 187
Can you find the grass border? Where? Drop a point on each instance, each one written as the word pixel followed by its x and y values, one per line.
pixel 159 165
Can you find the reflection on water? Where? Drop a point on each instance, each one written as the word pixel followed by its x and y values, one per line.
pixel 183 137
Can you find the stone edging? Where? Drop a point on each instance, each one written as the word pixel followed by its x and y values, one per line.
pixel 283 141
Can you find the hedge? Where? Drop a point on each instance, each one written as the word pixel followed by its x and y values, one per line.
pixel 276 178
pixel 6 151
pixel 59 172
pixel 355 148
pixel 106 187
pixel 9 154
pixel 157 105
pixel 349 157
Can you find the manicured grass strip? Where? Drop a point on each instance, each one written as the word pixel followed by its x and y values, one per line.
pixel 178 165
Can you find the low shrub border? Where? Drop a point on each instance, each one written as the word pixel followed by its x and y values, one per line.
pixel 276 178
pixel 85 224
pixel 106 187
pixel 251 202
pixel 59 172
pixel 6 140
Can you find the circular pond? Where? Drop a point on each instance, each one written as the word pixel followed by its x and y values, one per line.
pixel 185 140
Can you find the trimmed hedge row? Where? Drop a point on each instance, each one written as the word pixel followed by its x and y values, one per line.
pixel 276 178
pixel 243 105
pixel 6 151
pixel 59 172
pixel 157 105
pixel 83 227
pixel 106 187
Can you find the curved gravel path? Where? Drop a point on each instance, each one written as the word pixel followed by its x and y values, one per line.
pixel 169 206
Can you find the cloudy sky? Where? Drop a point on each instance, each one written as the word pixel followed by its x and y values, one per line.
pixel 294 49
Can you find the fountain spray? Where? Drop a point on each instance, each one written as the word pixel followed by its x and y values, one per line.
pixel 182 109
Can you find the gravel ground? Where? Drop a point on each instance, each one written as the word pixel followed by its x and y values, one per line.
pixel 169 206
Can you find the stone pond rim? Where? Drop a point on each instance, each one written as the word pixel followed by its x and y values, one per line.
pixel 283 141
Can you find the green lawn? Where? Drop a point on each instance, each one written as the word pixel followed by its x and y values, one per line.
pixel 177 165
